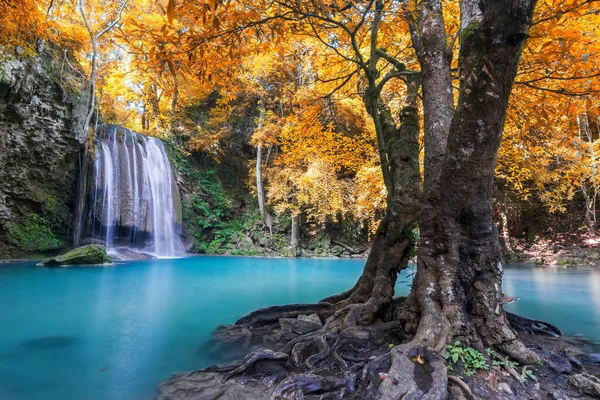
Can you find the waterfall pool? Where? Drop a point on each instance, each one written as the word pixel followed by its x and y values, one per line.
pixel 113 333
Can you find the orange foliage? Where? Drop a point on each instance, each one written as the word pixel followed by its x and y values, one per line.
pixel 166 57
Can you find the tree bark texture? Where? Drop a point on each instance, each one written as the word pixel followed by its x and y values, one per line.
pixel 395 236
pixel 457 288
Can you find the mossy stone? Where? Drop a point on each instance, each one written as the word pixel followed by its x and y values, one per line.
pixel 92 254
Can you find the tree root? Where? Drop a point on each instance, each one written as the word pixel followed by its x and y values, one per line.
pixel 272 314
pixel 533 326
pixel 252 359
pixel 296 386
pixel 465 388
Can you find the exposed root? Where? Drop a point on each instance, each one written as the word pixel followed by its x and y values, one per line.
pixel 273 314
pixel 465 388
pixel 532 326
pixel 252 359
pixel 296 386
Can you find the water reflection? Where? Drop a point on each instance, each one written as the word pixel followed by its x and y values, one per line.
pixel 114 333
pixel 569 299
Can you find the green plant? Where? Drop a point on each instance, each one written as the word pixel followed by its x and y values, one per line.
pixel 528 374
pixel 280 240
pixel 33 232
pixel 470 359
pixel 499 360
pixel 245 252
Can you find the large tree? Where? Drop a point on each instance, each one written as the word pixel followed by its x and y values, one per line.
pixel 457 290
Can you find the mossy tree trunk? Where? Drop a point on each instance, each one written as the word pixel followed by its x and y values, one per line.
pixel 457 289
pixel 394 240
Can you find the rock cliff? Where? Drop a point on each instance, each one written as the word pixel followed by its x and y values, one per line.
pixel 40 139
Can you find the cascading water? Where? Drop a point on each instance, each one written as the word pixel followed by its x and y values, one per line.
pixel 135 202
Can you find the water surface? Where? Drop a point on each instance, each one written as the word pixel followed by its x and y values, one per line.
pixel 115 332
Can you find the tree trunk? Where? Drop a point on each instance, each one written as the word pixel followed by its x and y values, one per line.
pixel 295 239
pixel 503 211
pixel 457 288
pixel 395 237
pixel 260 190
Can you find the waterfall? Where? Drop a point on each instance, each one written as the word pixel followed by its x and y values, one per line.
pixel 135 201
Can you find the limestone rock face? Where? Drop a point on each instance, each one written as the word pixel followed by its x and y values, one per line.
pixel 40 137
pixel 92 254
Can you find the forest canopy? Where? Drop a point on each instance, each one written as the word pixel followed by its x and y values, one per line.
pixel 299 67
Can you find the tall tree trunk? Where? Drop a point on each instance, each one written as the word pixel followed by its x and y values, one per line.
pixel 457 288
pixel 503 210
pixel 590 194
pixel 395 236
pixel 260 190
pixel 430 44
pixel 295 238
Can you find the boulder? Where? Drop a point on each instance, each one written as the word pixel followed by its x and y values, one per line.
pixel 311 318
pixel 92 254
pixel 298 326
pixel 559 364
pixel 125 254
pixel 588 384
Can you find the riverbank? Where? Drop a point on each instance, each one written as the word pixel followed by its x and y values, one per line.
pixel 558 252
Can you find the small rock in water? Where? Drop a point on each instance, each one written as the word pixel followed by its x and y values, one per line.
pixel 92 254
pixel 311 318
pixel 298 326
pixel 126 254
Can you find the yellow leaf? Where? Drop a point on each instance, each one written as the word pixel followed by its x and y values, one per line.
pixel 171 67
pixel 171 11
pixel 418 359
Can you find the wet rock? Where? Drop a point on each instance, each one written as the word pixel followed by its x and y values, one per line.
pixel 298 326
pixel 311 318
pixel 40 137
pixel 586 383
pixel 92 254
pixel 124 254
pixel 559 364
pixel 505 388
pixel 592 358
pixel 559 396
pixel 355 333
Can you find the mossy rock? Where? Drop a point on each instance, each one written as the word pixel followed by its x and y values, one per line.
pixel 92 254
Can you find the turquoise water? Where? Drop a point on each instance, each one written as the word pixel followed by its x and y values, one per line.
pixel 113 333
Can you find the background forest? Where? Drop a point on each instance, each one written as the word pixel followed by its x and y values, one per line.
pixel 274 150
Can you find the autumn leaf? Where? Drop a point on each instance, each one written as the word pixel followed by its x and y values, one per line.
pixel 171 11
